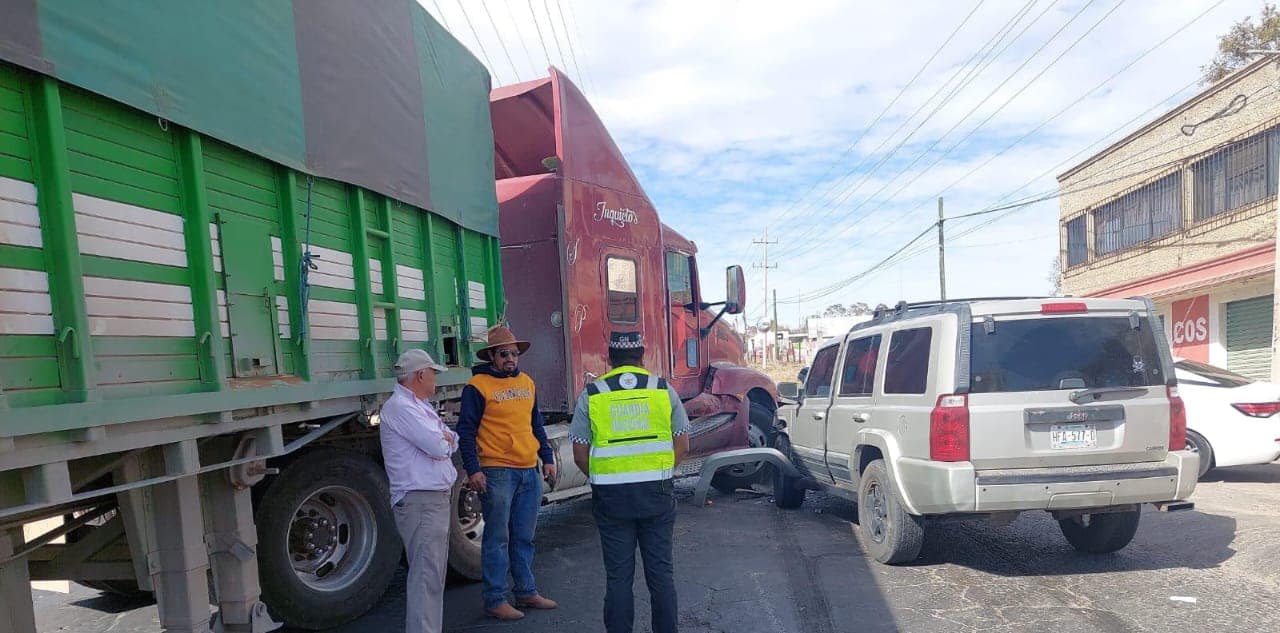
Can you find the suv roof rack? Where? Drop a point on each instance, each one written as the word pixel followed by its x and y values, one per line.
pixel 903 309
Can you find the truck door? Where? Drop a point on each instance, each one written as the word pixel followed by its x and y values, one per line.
pixel 808 436
pixel 851 409
pixel 683 307
pixel 251 310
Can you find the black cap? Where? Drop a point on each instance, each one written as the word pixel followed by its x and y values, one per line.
pixel 626 340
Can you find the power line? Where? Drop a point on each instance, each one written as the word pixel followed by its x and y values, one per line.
pixel 1069 106
pixel 898 256
pixel 810 247
pixel 554 35
pixel 541 40
pixel 440 13
pixel 966 73
pixel 572 53
pixel 520 35
pixel 573 17
pixel 889 106
pixel 483 53
pixel 501 40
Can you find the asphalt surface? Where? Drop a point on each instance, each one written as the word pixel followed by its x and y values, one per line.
pixel 745 566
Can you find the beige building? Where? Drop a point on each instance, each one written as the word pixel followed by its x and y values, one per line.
pixel 1183 211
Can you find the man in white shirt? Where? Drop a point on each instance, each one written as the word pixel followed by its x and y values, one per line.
pixel 418 449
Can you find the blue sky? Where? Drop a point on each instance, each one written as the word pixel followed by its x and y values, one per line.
pixel 742 115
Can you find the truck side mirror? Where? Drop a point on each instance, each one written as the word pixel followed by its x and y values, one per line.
pixel 735 292
pixel 789 390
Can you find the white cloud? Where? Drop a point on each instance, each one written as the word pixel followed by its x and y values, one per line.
pixel 735 112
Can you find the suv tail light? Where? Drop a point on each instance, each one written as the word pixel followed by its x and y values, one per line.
pixel 1258 409
pixel 949 429
pixel 1063 307
pixel 1177 420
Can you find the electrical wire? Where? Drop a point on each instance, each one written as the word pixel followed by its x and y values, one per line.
pixel 501 40
pixel 541 40
pixel 483 53
pixel 572 53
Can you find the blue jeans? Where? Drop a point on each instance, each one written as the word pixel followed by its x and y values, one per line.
pixel 510 516
pixel 631 515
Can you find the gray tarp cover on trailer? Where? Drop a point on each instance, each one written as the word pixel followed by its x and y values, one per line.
pixel 373 93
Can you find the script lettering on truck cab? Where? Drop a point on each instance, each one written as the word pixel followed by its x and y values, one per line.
pixel 617 217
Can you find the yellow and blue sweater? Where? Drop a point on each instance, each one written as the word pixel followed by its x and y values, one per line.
pixel 500 425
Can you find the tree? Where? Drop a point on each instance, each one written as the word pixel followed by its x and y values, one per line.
pixel 1242 37
pixel 839 309
pixel 1055 277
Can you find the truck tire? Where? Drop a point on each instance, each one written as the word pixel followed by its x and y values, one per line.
pixel 327 542
pixel 1101 533
pixel 788 491
pixel 466 527
pixel 891 535
pixel 759 433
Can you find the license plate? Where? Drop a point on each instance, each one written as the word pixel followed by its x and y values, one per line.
pixel 1068 436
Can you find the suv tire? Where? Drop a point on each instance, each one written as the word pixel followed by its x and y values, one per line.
pixel 788 491
pixel 1101 533
pixel 1197 444
pixel 891 535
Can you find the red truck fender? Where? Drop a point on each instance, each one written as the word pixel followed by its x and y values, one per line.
pixel 745 385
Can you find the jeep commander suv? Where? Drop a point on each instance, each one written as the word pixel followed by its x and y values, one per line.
pixel 990 407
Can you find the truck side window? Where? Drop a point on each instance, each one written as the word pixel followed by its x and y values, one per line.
pixel 818 383
pixel 859 373
pixel 679 278
pixel 623 298
pixel 907 368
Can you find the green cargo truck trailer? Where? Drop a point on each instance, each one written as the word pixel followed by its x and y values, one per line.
pixel 219 225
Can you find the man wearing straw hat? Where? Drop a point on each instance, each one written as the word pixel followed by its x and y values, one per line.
pixel 501 439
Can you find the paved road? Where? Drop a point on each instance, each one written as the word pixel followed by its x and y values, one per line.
pixel 745 566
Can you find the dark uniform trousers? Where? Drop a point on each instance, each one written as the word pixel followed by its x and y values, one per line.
pixel 628 515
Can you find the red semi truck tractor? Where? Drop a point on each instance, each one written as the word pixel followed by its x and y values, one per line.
pixel 584 252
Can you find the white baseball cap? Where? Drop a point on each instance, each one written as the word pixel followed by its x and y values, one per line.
pixel 415 360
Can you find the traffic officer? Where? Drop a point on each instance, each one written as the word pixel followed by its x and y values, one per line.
pixel 629 432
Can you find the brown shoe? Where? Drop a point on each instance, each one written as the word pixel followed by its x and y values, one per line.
pixel 536 602
pixel 504 612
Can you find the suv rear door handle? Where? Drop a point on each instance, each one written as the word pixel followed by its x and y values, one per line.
pixel 818 415
pixel 861 417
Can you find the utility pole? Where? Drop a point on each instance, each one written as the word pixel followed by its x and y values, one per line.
pixel 942 257
pixel 776 332
pixel 766 266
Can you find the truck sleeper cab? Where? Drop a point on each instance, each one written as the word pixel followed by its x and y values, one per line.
pixel 993 407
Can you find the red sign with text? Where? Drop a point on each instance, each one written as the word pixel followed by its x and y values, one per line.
pixel 1190 328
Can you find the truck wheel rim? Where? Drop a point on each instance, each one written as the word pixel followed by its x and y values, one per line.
pixel 879 513
pixel 755 439
pixel 331 538
pixel 470 517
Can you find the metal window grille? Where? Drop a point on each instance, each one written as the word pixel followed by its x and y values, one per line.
pixel 1077 242
pixel 1144 214
pixel 1236 176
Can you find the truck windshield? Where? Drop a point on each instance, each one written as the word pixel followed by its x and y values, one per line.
pixel 1062 353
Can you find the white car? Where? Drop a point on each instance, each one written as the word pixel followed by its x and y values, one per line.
pixel 1231 420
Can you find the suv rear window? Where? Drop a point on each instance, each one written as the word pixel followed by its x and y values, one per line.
pixel 1062 353
pixel 859 374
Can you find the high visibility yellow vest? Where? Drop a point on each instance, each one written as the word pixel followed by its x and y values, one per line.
pixel 631 439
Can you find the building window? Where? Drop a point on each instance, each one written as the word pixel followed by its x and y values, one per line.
pixel 623 299
pixel 1236 176
pixel 1077 241
pixel 1144 214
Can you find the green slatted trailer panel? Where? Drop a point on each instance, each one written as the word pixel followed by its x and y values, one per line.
pixel 28 357
pixel 1249 337
pixel 443 267
pixel 129 218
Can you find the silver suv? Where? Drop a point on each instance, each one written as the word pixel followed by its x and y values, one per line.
pixel 990 407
